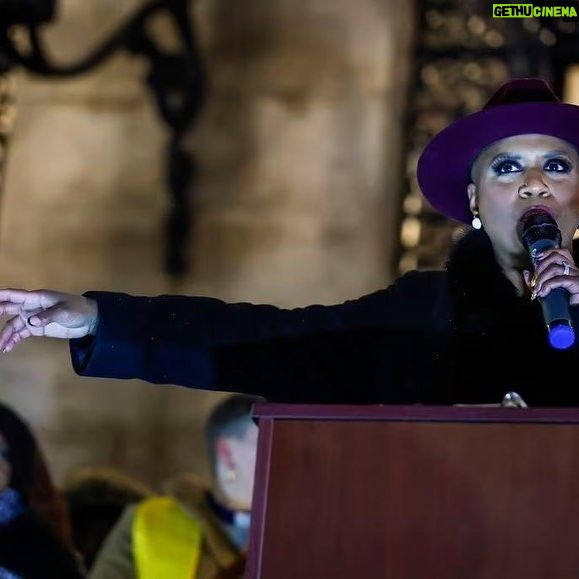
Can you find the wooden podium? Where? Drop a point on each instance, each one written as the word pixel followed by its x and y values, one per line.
pixel 413 492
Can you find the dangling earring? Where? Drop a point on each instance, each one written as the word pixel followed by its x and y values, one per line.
pixel 476 222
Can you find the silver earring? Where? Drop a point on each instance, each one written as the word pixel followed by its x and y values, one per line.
pixel 476 222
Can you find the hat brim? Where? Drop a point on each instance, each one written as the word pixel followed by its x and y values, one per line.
pixel 444 166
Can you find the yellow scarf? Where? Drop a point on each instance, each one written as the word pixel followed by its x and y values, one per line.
pixel 166 540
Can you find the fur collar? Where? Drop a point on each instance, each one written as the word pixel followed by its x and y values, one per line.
pixel 498 336
pixel 481 295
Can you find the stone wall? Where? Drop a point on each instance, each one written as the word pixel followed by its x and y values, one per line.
pixel 299 150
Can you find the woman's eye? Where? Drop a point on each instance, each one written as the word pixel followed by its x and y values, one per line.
pixel 504 167
pixel 558 166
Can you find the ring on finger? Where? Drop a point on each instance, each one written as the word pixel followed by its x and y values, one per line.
pixel 566 268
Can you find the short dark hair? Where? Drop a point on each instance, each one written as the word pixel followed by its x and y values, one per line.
pixel 230 417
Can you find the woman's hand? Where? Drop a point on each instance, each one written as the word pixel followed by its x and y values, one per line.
pixel 45 313
pixel 554 268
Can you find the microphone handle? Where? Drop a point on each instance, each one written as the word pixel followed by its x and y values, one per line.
pixel 555 305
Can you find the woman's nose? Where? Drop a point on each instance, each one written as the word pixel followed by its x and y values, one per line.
pixel 534 184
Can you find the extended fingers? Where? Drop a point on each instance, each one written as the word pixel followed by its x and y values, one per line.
pixel 10 334
pixel 16 296
pixel 16 338
pixel 10 308
pixel 30 299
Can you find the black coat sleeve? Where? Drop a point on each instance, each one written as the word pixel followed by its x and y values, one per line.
pixel 304 354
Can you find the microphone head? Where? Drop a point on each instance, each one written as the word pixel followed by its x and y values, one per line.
pixel 536 224
pixel 561 336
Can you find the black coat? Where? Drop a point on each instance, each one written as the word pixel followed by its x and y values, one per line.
pixel 434 337
pixel 29 549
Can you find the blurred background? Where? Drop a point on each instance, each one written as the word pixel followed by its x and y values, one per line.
pixel 256 150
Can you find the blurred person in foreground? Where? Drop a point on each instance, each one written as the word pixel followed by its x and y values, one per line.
pixel 467 334
pixel 193 532
pixel 96 498
pixel 34 530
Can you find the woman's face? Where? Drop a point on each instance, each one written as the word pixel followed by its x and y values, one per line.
pixel 517 173
pixel 5 468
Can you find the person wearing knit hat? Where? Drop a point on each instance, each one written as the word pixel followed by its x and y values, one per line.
pixel 470 333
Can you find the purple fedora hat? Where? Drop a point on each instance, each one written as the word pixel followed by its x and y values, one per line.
pixel 521 106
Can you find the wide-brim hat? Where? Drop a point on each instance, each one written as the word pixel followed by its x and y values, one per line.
pixel 521 106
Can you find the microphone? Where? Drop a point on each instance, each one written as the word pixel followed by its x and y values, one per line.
pixel 539 231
